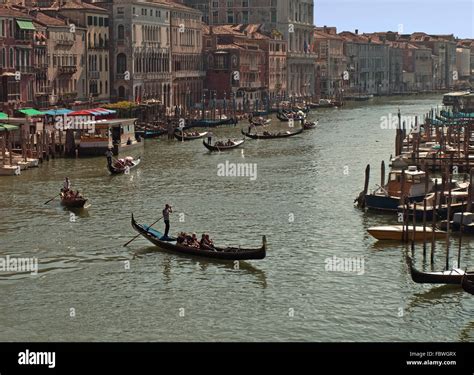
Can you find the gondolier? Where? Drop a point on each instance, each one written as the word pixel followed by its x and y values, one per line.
pixel 109 155
pixel 66 185
pixel 209 138
pixel 166 218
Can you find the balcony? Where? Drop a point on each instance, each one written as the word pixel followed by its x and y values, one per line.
pixel 25 69
pixel 99 46
pixel 68 96
pixel 94 74
pixel 65 43
pixel 67 69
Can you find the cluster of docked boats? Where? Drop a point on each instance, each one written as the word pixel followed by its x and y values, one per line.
pixel 439 206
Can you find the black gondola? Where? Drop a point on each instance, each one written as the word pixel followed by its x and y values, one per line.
pixel 272 136
pixel 467 284
pixel 259 121
pixel 178 135
pixel 213 148
pixel 285 117
pixel 211 123
pixel 72 202
pixel 228 253
pixel 453 276
pixel 120 169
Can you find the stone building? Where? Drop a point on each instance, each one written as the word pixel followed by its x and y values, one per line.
pixel 186 55
pixel 292 18
pixel 17 75
pixel 331 63
pixel 61 71
pixel 140 51
pixel 368 62
pixel 96 22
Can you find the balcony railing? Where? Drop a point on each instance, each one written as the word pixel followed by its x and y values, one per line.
pixel 67 69
pixel 94 74
pixel 99 46
pixel 64 43
pixel 68 96
pixel 25 69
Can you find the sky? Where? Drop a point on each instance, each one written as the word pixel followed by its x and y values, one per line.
pixel 430 16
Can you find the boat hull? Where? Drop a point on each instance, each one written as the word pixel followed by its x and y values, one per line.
pixel 222 148
pixel 222 253
pixel 395 233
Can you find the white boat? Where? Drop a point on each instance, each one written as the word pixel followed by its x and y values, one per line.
pixel 395 232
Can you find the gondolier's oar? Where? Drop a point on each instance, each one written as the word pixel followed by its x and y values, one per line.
pixel 52 199
pixel 138 235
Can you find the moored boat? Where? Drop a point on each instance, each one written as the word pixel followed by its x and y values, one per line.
pixel 188 136
pixel 268 135
pixel 259 121
pixel 212 123
pixel 453 276
pixel 387 198
pixel 223 147
pixel 227 253
pixel 467 284
pixel 395 233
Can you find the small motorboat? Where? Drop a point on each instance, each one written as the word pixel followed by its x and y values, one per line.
pixel 395 233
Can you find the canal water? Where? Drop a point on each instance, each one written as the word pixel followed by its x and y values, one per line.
pixel 91 288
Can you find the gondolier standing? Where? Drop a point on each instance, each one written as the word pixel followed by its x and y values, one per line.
pixel 109 155
pixel 166 218
pixel 66 185
pixel 209 138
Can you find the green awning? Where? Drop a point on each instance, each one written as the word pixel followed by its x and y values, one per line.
pixel 3 116
pixel 4 127
pixel 26 25
pixel 31 112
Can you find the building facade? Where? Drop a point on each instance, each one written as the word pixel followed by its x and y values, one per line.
pixel 292 18
pixel 186 56
pixel 96 22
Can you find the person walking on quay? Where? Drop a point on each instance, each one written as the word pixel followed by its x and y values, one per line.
pixel 209 138
pixel 109 155
pixel 166 218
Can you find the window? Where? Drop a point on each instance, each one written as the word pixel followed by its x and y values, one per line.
pixel 89 20
pixel 215 4
pixel 95 21
pixel 120 10
pixel 120 32
pixel 106 22
pixel 245 16
pixel 101 21
pixel 273 15
pixel 230 16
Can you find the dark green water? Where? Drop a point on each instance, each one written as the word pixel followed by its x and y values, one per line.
pixel 287 296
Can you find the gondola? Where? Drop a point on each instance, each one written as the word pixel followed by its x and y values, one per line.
pixel 114 168
pixel 272 136
pixel 151 133
pixel 229 253
pixel 73 202
pixel 211 123
pixel 180 137
pixel 310 125
pixel 285 117
pixel 259 122
pixel 453 276
pixel 467 285
pixel 223 148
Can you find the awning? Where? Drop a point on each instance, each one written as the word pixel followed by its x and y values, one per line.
pixel 109 111
pixel 3 116
pixel 26 25
pixel 31 112
pixel 58 112
pixel 6 127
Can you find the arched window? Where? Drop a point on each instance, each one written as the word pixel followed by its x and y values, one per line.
pixel 120 32
pixel 121 92
pixel 121 63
